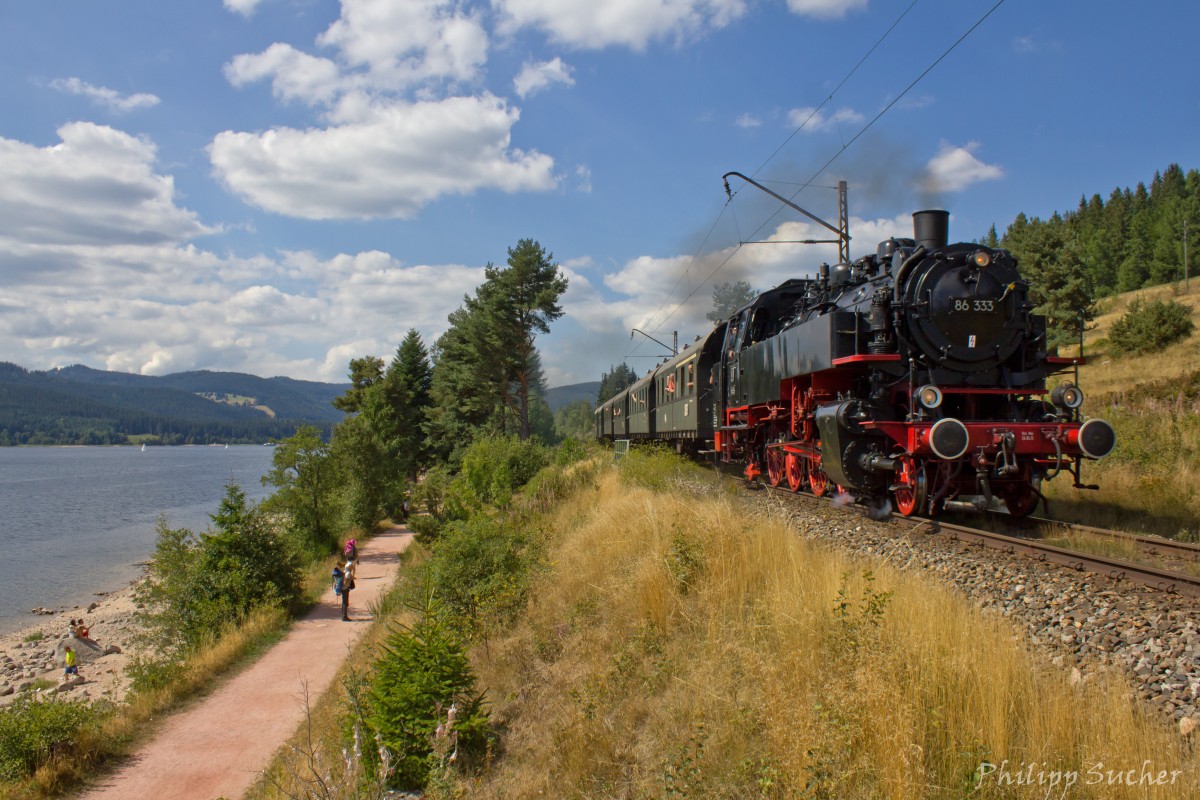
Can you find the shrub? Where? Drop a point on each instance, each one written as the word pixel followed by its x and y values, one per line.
pixel 32 731
pixel 654 466
pixel 497 466
pixel 477 567
pixel 1150 326
pixel 197 585
pixel 421 672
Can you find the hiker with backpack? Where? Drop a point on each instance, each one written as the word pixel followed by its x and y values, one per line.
pixel 343 582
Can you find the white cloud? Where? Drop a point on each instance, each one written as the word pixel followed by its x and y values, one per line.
pixel 382 155
pixel 535 77
pixel 405 43
pixel 294 75
pixel 595 24
pixel 243 7
pixel 812 120
pixel 390 163
pixel 748 121
pixel 98 186
pixel 99 268
pixel 584 176
pixel 955 168
pixel 825 9
pixel 109 98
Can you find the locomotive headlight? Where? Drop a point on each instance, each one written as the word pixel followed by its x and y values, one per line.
pixel 1068 395
pixel 929 396
pixel 981 258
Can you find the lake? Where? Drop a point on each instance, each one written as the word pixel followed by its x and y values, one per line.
pixel 75 521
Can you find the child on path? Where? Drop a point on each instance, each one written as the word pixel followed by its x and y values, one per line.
pixel 71 662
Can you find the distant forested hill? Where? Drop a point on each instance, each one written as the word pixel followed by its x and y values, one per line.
pixel 560 396
pixel 80 405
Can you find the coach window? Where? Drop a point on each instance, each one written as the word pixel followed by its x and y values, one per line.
pixel 691 378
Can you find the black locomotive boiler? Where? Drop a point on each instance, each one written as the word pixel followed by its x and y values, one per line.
pixel 918 374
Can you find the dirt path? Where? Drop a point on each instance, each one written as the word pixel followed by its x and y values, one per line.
pixel 217 747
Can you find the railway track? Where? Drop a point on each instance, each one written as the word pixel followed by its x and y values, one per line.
pixel 1117 569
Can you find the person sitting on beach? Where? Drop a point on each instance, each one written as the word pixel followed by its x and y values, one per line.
pixel 74 628
pixel 81 630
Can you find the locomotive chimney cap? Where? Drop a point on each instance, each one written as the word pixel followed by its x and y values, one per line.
pixel 931 228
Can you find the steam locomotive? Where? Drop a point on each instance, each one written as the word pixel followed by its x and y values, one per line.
pixel 916 375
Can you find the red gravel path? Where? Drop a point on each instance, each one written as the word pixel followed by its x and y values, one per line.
pixel 217 747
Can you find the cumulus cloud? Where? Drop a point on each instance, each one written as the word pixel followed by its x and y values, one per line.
pixel 537 76
pixel 382 154
pixel 389 163
pixel 825 9
pixel 97 186
pixel 109 98
pixel 243 7
pixel 813 120
pixel 595 24
pixel 101 266
pixel 401 44
pixel 955 168
pixel 294 75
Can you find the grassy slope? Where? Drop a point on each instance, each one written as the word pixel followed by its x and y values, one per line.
pixel 679 648
pixel 1150 482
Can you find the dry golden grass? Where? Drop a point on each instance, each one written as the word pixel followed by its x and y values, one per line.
pixel 679 649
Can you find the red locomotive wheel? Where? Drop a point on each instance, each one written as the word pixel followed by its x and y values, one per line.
pixel 795 472
pixel 775 466
pixel 911 487
pixel 818 481
pixel 1021 500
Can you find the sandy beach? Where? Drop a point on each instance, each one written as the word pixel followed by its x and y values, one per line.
pixel 28 662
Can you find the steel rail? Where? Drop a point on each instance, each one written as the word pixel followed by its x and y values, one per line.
pixel 1115 569
pixel 1154 544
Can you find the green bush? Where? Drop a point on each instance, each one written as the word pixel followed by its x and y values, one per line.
pixel 654 466
pixel 1150 326
pixel 478 568
pixel 495 467
pixel 420 673
pixel 198 584
pixel 32 731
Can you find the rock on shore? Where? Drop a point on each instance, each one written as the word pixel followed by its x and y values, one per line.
pixel 31 659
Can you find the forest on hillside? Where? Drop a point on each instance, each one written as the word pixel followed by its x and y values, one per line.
pixel 1140 237
pixel 82 406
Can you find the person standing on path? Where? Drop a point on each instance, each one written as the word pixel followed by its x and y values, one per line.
pixel 347 584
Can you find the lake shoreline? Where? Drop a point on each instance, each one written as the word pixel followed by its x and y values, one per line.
pixel 27 653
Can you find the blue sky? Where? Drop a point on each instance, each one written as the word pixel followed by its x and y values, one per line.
pixel 277 186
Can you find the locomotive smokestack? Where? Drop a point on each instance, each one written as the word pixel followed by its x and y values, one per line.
pixel 932 228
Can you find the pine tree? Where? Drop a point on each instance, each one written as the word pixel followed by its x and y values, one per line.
pixel 729 297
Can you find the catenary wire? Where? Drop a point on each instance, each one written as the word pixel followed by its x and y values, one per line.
pixel 833 158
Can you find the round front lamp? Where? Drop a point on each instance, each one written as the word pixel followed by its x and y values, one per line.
pixel 929 396
pixel 1068 395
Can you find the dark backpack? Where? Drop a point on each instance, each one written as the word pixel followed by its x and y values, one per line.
pixel 337 581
